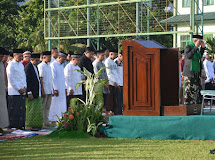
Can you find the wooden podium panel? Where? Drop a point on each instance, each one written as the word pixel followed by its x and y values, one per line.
pixel 169 77
pixel 141 84
pixel 150 78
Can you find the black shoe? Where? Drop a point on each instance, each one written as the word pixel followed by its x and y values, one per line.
pixel 35 129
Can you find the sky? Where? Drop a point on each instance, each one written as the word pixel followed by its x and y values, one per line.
pixel 20 3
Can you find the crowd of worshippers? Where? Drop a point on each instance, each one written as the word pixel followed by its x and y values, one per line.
pixel 36 89
pixel 197 71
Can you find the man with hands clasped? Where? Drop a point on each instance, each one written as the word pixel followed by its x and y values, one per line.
pixel 16 90
pixel 58 104
pixel 34 115
pixel 46 85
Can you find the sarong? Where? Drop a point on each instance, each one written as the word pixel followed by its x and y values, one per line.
pixel 34 114
pixel 16 111
pixel 192 88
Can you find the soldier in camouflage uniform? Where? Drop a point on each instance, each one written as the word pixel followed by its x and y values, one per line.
pixel 192 70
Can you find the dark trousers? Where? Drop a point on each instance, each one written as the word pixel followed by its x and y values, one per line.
pixel 7 99
pixel 16 111
pixel 181 95
pixel 209 86
pixel 115 100
pixel 83 93
pixel 119 100
pixel 111 99
pixel 68 98
pixel 105 96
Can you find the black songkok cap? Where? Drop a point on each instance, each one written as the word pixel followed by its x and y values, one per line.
pixel 100 51
pixel 35 55
pixel 11 54
pixel 71 53
pixel 198 36
pixel 62 54
pixel 18 51
pixel 2 51
pixel 6 52
pixel 46 53
pixel 181 52
pixel 76 55
pixel 89 49
pixel 114 50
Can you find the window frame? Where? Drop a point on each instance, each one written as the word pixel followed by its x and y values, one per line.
pixel 186 40
pixel 211 2
pixel 186 4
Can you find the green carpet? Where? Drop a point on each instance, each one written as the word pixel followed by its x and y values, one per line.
pixel 161 127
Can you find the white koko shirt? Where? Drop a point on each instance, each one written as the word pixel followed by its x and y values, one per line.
pixel 46 73
pixel 16 77
pixel 208 67
pixel 72 77
pixel 112 72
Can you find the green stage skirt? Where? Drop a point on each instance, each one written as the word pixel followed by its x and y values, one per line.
pixel 34 114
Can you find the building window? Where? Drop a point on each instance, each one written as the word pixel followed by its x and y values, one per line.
pixel 184 41
pixel 186 3
pixel 208 2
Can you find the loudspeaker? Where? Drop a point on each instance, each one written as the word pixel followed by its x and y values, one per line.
pixel 194 109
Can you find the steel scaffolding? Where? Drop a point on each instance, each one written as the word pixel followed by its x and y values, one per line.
pixel 93 19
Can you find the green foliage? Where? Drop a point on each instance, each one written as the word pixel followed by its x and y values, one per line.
pixel 93 87
pixel 92 127
pixel 85 116
pixel 9 12
pixel 31 26
pixel 23 26
pixel 211 46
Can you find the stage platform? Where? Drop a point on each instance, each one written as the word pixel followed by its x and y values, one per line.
pixel 195 127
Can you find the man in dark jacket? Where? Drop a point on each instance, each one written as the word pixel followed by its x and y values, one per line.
pixel 86 62
pixel 192 70
pixel 34 116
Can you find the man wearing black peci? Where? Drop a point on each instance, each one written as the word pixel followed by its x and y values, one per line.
pixel 192 70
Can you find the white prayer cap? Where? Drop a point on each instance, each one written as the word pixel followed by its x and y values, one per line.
pixel 26 53
pixel 204 55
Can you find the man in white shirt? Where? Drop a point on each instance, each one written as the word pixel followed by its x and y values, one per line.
pixel 58 104
pixel 46 85
pixel 16 90
pixel 34 115
pixel 4 120
pixel 73 77
pixel 113 77
pixel 54 53
pixel 208 67
pixel 106 54
pixel 68 59
pixel 119 92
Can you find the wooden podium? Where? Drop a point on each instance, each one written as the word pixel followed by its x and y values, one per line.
pixel 150 77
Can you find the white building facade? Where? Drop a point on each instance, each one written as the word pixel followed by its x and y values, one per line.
pixel 181 20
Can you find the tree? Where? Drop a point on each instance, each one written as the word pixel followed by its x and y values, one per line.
pixel 9 11
pixel 211 46
pixel 30 26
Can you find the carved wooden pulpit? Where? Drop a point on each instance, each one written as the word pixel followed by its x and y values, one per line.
pixel 150 77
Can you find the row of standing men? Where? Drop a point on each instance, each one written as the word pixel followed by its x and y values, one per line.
pixel 39 87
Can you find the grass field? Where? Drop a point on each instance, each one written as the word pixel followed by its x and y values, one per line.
pixel 40 147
